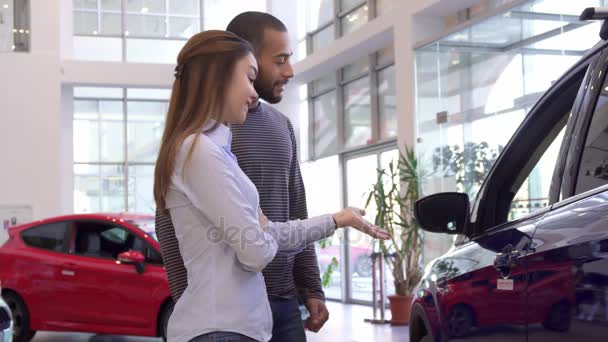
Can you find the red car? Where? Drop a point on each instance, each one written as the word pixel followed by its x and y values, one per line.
pixel 97 273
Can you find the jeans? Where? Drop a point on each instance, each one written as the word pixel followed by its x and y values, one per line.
pixel 287 321
pixel 222 336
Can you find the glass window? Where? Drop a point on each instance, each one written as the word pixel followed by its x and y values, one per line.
pixel 49 236
pixel 110 24
pixel 345 5
pixel 101 240
pixel 593 169
pixel 87 190
pixel 85 4
pixel 324 83
pixel 534 192
pixel 111 131
pixel 105 179
pixel 387 103
pixel 323 38
pixel 359 67
pixel 111 5
pixel 145 25
pixel 354 20
pixel 360 176
pixel 86 131
pixel 146 6
pixel 85 23
pixel 357 113
pixel 154 30
pixel 317 13
pixel 325 125
pixel 184 7
pixel 218 13
pixel 99 188
pixel 183 27
pixel 141 184
pixel 145 126
pixel 323 195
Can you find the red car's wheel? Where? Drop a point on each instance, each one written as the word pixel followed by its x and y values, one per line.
pixel 21 317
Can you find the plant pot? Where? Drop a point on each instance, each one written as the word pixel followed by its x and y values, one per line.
pixel 400 309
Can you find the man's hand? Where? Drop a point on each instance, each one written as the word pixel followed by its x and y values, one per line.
pixel 318 314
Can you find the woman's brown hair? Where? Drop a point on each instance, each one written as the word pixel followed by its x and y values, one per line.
pixel 204 69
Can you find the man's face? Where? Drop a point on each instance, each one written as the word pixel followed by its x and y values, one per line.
pixel 274 65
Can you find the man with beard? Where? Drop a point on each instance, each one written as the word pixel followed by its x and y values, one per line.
pixel 266 149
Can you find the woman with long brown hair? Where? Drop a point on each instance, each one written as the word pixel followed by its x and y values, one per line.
pixel 224 239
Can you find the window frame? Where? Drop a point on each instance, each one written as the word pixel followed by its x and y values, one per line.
pixel 336 21
pixel 126 163
pixel 341 82
pixel 577 148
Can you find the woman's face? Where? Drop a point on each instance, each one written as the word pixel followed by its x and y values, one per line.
pixel 240 90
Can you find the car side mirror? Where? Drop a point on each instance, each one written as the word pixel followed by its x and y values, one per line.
pixel 445 212
pixel 132 257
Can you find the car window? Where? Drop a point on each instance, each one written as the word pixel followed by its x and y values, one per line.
pixel 533 194
pixel 105 240
pixel 593 167
pixel 49 236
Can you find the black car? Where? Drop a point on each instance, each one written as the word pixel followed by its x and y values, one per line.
pixel 544 276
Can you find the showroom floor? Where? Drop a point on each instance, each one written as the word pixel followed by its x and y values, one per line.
pixel 346 324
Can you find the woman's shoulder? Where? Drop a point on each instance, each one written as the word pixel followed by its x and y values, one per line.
pixel 204 147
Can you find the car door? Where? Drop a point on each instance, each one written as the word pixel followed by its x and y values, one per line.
pixel 39 269
pixel 570 300
pixel 482 287
pixel 103 292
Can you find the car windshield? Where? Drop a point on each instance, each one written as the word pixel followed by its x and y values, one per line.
pixel 146 225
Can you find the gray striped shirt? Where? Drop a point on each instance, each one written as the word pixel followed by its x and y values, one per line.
pixel 266 149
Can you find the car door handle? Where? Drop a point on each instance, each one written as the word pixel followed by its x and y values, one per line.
pixel 68 273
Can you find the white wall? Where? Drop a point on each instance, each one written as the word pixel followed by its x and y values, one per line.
pixel 30 121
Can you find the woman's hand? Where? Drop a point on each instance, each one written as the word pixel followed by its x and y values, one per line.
pixel 263 220
pixel 353 217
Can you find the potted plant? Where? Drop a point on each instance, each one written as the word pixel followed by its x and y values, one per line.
pixel 394 194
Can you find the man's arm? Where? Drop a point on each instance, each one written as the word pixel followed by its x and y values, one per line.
pixel 306 273
pixel 172 259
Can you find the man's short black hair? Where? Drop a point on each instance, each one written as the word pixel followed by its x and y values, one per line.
pixel 251 26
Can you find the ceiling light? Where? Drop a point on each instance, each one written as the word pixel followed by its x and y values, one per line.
pixel 353 18
pixel 5 6
pixel 126 33
pixel 95 32
pixel 456 62
pixel 144 10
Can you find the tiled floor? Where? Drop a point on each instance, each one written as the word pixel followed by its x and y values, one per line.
pixel 345 325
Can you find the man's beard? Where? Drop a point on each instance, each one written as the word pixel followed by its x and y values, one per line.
pixel 266 91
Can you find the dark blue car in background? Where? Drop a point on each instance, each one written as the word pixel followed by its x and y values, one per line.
pixel 544 276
